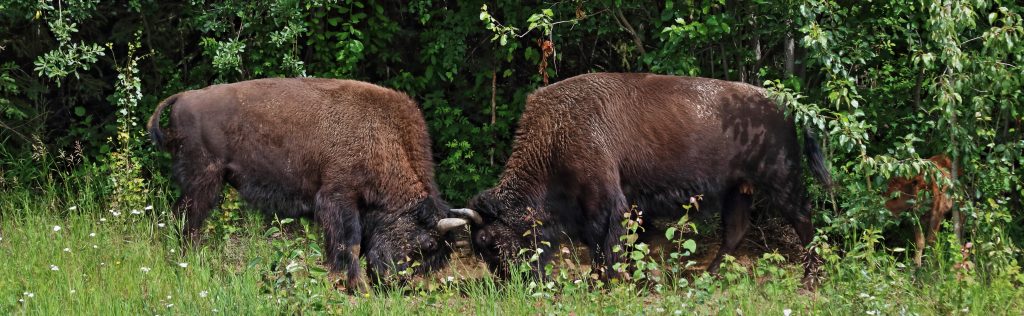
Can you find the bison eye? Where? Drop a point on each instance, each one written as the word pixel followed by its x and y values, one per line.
pixel 484 238
pixel 430 245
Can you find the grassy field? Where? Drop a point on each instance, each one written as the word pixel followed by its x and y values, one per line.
pixel 63 253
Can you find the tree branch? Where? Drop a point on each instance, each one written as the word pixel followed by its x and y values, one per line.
pixel 621 20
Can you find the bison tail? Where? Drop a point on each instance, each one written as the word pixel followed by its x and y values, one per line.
pixel 153 125
pixel 816 160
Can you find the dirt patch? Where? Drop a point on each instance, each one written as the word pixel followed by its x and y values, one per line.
pixel 765 235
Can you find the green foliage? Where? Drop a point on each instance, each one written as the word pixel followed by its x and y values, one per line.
pixel 885 85
pixel 130 190
pixel 292 274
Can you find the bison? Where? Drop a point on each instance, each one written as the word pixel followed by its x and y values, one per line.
pixel 903 193
pixel 353 155
pixel 590 146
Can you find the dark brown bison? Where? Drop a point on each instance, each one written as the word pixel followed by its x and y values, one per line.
pixel 904 193
pixel 589 147
pixel 353 155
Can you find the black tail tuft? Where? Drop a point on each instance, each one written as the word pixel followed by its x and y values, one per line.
pixel 153 125
pixel 816 160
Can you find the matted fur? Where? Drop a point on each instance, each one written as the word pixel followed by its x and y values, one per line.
pixel 589 147
pixel 353 155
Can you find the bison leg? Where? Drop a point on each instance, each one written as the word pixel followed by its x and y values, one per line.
pixel 200 193
pixel 604 213
pixel 342 236
pixel 735 222
pixel 800 219
pixel 919 241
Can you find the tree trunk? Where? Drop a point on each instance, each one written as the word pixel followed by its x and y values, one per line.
pixel 790 47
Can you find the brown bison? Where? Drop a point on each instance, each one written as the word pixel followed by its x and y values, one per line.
pixel 589 147
pixel 904 193
pixel 353 155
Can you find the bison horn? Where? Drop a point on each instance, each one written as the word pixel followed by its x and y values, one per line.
pixel 469 213
pixel 447 224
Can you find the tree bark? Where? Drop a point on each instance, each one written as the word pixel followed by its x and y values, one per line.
pixel 790 48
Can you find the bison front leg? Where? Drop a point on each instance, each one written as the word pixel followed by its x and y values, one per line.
pixel 339 218
pixel 606 213
pixel 735 222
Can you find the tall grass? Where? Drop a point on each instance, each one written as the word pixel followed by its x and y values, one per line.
pixel 63 252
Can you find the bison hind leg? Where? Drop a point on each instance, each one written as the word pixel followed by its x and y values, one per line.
pixel 200 193
pixel 796 208
pixel 735 222
pixel 339 218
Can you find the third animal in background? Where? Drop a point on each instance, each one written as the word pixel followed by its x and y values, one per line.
pixel 908 194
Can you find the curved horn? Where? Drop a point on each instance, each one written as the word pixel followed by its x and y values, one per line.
pixel 444 225
pixel 469 213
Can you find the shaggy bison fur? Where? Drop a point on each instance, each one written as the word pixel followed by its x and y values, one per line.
pixel 589 147
pixel 353 155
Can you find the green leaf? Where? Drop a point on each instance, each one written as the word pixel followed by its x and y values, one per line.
pixel 690 245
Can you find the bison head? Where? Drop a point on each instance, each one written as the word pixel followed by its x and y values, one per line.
pixel 400 247
pixel 497 235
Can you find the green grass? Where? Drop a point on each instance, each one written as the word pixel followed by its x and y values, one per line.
pixel 128 264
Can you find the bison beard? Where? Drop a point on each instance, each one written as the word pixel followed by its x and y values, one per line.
pixel 353 155
pixel 590 146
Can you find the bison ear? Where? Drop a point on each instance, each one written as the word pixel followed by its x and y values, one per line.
pixel 444 225
pixel 477 219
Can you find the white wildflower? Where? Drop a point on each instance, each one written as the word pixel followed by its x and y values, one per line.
pixel 72 208
pixel 144 269
pixel 170 305
pixel 103 219
pixel 677 312
pixel 148 208
pixel 95 247
pixel 203 294
pixel 56 228
pixel 92 234
pixel 872 312
pixel 67 249
pixel 450 278
pixel 215 310
pixel 136 212
pixel 54 268
pixel 29 294
pixel 115 213
pixel 73 291
pixel 182 264
pixel 787 312
pixel 864 295
pixel 161 225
